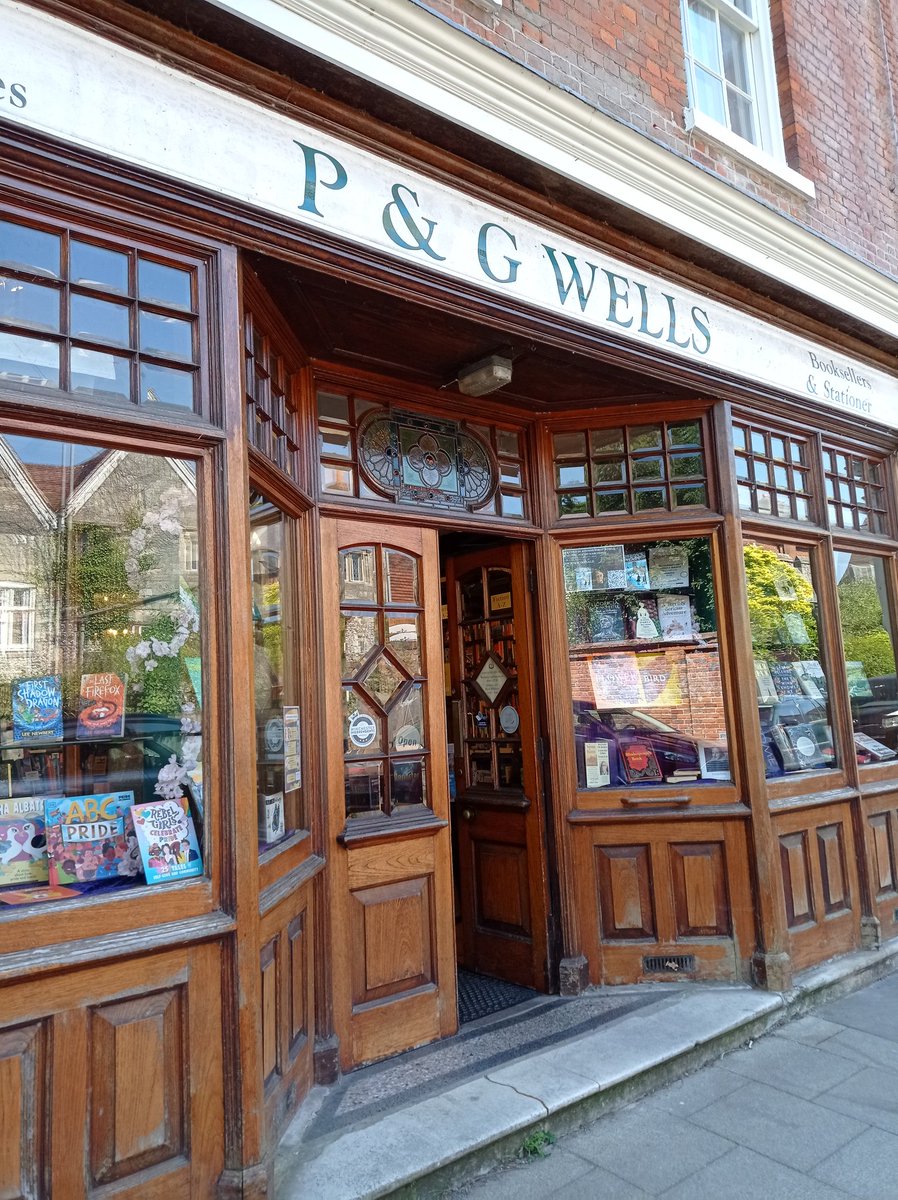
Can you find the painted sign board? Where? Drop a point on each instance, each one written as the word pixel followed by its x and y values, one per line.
pixel 76 86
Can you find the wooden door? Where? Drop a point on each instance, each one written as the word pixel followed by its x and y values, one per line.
pixel 391 890
pixel 498 811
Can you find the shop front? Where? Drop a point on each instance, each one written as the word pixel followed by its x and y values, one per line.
pixel 323 681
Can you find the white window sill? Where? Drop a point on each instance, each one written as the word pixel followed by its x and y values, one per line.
pixel 694 119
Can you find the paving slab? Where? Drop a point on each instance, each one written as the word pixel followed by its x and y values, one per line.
pixel 647 1147
pixel 871 1096
pixel 791 1066
pixel 695 1092
pixel 782 1126
pixel 533 1179
pixel 864 1048
pixel 867 1166
pixel 811 1030
pixel 873 1010
pixel 744 1174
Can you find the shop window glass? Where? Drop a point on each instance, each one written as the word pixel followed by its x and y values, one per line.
pixel 271 417
pixel 792 677
pixel 599 472
pixel 101 671
pixel 645 665
pixel 855 492
pixel 869 644
pixel 385 752
pixel 275 673
pixel 104 299
pixel 771 471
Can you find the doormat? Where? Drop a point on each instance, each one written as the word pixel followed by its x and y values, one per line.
pixel 481 996
pixel 369 1092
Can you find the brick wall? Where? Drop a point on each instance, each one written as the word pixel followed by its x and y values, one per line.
pixel 626 59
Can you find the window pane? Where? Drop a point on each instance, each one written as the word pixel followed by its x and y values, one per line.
pixel 275 674
pixel 159 284
pixel 99 268
pixel 29 304
pixel 358 574
pixel 869 654
pixel 709 95
pixel 569 445
pixel 570 476
pixel 99 321
pixel 792 681
pixel 574 504
pixel 101 696
pixel 735 56
pixel 165 385
pixel 741 115
pixel 105 376
pixel 29 250
pixel 167 337
pixel 28 360
pixel 645 666
pixel 703 34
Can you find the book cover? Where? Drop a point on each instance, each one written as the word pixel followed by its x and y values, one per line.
pixel 615 681
pixel 785 680
pixel 714 761
pixel 636 568
pixel 767 693
pixel 811 677
pixel 804 742
pixel 675 618
pixel 660 677
pixel 271 817
pixel 167 840
pixel 37 709
pixel 597 759
pixel 858 684
pixel 102 712
pixel 37 895
pixel 23 844
pixel 872 750
pixel 89 837
pixel 640 763
pixel 668 567
pixel 606 622
pixel 784 749
pixel 646 623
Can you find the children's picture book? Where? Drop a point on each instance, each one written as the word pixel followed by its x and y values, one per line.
pixel 767 693
pixel 646 623
pixel 858 684
pixel 871 749
pixel 23 843
pixel 37 895
pixel 661 677
pixel 90 837
pixel 37 709
pixel 597 760
pixel 615 680
pixel 167 840
pixel 785 680
pixel 675 618
pixel 668 567
pixel 637 571
pixel 811 677
pixel 640 763
pixel 102 712
pixel 606 622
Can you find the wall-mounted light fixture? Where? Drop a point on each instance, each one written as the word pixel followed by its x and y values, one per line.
pixel 485 376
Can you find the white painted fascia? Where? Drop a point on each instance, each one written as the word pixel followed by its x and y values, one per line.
pixel 414 54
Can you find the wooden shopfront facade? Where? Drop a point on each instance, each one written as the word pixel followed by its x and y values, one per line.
pixel 587 681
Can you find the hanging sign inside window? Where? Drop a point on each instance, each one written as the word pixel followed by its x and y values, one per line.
pixel 362 730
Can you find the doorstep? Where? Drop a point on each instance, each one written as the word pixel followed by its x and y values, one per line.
pixel 438 1140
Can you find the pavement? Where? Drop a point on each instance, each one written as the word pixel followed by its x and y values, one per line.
pixel 742 1093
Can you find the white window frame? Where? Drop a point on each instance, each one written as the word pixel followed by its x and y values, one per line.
pixel 27 642
pixel 762 68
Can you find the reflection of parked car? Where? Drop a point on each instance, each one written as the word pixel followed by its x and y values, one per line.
pixel 877 715
pixel 675 751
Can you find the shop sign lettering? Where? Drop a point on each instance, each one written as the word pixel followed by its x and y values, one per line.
pixel 71 84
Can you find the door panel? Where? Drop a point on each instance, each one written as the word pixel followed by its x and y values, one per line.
pixel 498 811
pixel 391 903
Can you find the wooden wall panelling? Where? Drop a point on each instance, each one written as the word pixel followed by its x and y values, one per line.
pixel 23 1112
pixel 881 845
pixel 131 1055
pixel 701 903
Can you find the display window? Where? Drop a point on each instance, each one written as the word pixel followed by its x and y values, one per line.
pixel 101 670
pixel 792 676
pixel 869 646
pixel 648 702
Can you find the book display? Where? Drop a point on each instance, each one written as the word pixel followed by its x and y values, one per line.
pixel 642 628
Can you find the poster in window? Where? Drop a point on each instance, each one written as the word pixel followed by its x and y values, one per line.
pixel 595 569
pixel 795 630
pixel 660 677
pixel 616 681
pixel 597 761
pixel 606 622
pixel 668 567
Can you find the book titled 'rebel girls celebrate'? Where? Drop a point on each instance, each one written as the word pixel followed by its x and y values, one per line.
pixel 37 709
pixel 167 840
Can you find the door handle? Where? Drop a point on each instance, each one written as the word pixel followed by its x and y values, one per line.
pixel 468 814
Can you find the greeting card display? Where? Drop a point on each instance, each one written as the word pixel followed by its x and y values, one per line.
pixel 167 840
pixel 23 844
pixel 102 711
pixel 37 709
pixel 90 837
